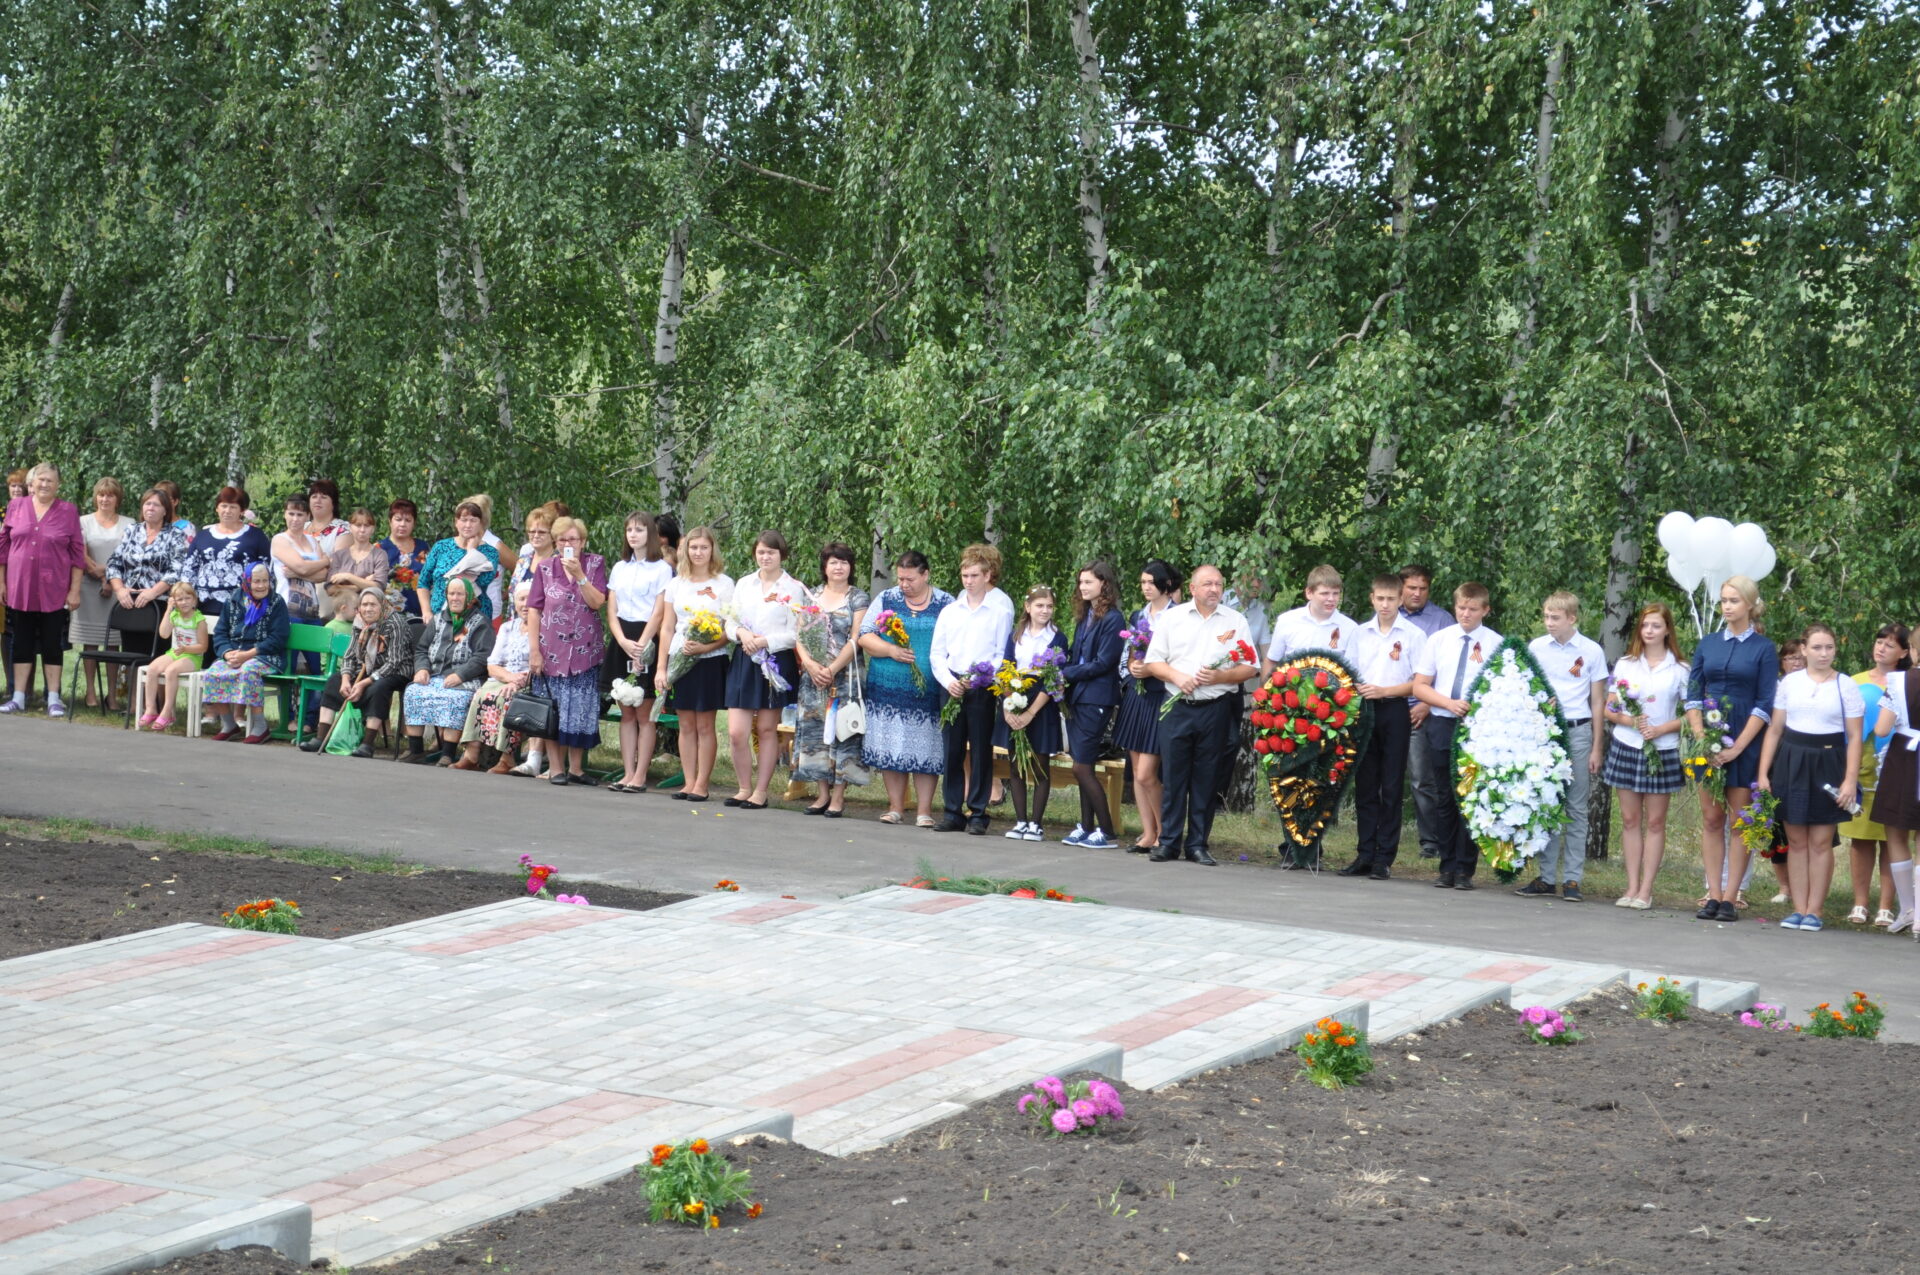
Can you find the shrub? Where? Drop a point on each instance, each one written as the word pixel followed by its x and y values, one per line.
pixel 689 1183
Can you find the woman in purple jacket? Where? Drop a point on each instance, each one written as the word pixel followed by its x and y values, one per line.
pixel 42 555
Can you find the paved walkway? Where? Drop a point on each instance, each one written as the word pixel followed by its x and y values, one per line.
pixel 198 1086
pixel 485 822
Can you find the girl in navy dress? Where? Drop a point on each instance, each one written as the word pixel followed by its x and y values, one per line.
pixel 1739 669
pixel 1093 691
pixel 1138 731
pixel 1032 633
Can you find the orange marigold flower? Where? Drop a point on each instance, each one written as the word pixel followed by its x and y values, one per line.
pixel 1837 1016
pixel 1312 1039
pixel 1345 1042
pixel 693 1206
pixel 700 1146
pixel 713 1221
pixel 1821 1005
pixel 753 1210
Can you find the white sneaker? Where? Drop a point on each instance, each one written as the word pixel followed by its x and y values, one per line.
pixel 1033 833
pixel 1902 922
pixel 1098 840
pixel 1017 833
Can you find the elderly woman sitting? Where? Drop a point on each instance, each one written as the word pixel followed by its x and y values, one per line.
pixel 507 674
pixel 449 664
pixel 249 642
pixel 378 663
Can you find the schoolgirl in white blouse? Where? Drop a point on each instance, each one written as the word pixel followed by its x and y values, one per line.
pixel 1653 675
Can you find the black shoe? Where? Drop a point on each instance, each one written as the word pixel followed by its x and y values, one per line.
pixel 815 810
pixel 1445 882
pixel 834 814
pixel 1429 854
pixel 697 797
pixel 1202 858
pixel 1710 911
pixel 753 805
pixel 1139 849
pixel 1358 868
pixel 584 781
pixel 1379 874
pixel 1535 889
pixel 1162 856
pixel 734 801
pixel 311 744
pixel 1728 912
pixel 362 751
pixel 950 824
pixel 420 759
pixel 1571 893
pixel 681 795
pixel 560 779
pixel 1465 883
pixel 976 827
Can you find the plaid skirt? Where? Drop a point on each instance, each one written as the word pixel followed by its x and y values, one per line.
pixel 1627 768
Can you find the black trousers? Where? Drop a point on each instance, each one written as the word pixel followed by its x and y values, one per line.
pixel 1380 783
pixel 1196 741
pixel 376 703
pixel 1458 853
pixel 971 732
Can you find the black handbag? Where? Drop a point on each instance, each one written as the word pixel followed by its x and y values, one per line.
pixel 535 716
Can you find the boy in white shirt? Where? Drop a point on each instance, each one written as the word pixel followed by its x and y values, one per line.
pixel 1384 653
pixel 1448 665
pixel 1319 623
pixel 1576 668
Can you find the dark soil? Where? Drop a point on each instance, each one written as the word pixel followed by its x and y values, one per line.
pixel 1702 1145
pixel 55 893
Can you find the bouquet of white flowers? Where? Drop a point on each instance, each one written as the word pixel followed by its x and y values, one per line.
pixel 1511 767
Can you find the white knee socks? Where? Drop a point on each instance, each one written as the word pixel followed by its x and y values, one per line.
pixel 1902 874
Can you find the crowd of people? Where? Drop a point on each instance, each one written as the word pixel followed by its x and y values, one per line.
pixel 465 646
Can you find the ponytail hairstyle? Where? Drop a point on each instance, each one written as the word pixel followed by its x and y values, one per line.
pixel 1164 577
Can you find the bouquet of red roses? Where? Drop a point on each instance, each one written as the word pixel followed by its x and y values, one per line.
pixel 1310 725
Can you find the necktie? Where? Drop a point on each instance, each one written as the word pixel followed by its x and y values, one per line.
pixel 1460 669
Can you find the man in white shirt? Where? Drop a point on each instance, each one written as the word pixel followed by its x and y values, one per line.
pixel 1384 653
pixel 1320 623
pixel 1200 650
pixel 1576 668
pixel 1448 665
pixel 1416 591
pixel 971 631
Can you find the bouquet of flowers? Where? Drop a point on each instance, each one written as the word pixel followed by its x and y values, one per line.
pixel 1310 725
pixel 892 628
pixel 978 678
pixel 402 581
pixel 1137 640
pixel 1754 824
pixel 705 626
pixel 1238 652
pixel 1696 751
pixel 1625 701
pixel 1510 762
pixel 770 669
pixel 1015 688
pixel 810 624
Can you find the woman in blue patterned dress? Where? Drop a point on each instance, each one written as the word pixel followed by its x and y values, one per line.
pixel 830 630
pixel 1739 669
pixel 449 665
pixel 217 560
pixel 903 715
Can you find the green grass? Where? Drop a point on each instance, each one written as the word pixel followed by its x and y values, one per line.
pixel 64 829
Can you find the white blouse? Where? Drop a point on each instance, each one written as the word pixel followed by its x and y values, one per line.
pixel 766 610
pixel 1661 692
pixel 636 585
pixel 1027 647
pixel 1819 708
pixel 688 597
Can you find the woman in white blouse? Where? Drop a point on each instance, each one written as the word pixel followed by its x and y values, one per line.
pixel 1896 798
pixel 1654 676
pixel 637 585
pixel 701 691
pixel 765 670
pixel 1811 762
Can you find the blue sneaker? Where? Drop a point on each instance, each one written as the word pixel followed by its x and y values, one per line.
pixel 1811 922
pixel 1098 840
pixel 1791 921
pixel 1078 837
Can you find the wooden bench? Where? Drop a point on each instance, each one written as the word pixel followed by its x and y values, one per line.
pixel 1112 774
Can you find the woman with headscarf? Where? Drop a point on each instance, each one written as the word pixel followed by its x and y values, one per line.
pixel 378 663
pixel 449 664
pixel 508 673
pixel 42 556
pixel 249 642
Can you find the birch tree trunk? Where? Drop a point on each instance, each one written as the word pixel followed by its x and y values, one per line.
pixel 62 311
pixel 666 335
pixel 1093 141
pixel 1543 132
pixel 1383 457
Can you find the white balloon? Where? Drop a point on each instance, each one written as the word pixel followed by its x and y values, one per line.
pixel 1685 572
pixel 1747 542
pixel 1762 564
pixel 1710 545
pixel 1676 532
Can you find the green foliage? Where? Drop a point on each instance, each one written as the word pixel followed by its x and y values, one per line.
pixel 1861 1019
pixel 690 1182
pixel 1665 1000
pixel 1335 1054
pixel 270 916
pixel 1354 311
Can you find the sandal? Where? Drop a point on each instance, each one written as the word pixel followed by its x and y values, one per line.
pixel 1858 916
pixel 1883 918
pixel 892 816
pixel 924 821
pixel 1703 900
pixel 161 724
pixel 1740 900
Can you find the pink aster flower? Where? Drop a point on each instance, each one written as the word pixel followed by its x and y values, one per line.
pixel 1086 1111
pixel 1027 1100
pixel 1051 1086
pixel 1548 1031
pixel 534 884
pixel 1536 1014
pixel 1063 1122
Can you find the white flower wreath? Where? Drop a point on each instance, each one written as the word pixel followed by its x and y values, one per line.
pixel 1513 768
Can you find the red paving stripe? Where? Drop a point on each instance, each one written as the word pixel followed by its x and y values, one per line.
pixel 79 980
pixel 842 1084
pixel 516 932
pixel 72 1202
pixel 940 903
pixel 1507 971
pixel 1375 983
pixel 1158 1024
pixel 470 1152
pixel 763 912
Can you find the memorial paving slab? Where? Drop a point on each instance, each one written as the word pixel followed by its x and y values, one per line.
pixel 406 1083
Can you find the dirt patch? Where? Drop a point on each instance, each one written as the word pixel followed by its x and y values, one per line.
pixel 57 893
pixel 1647 1148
